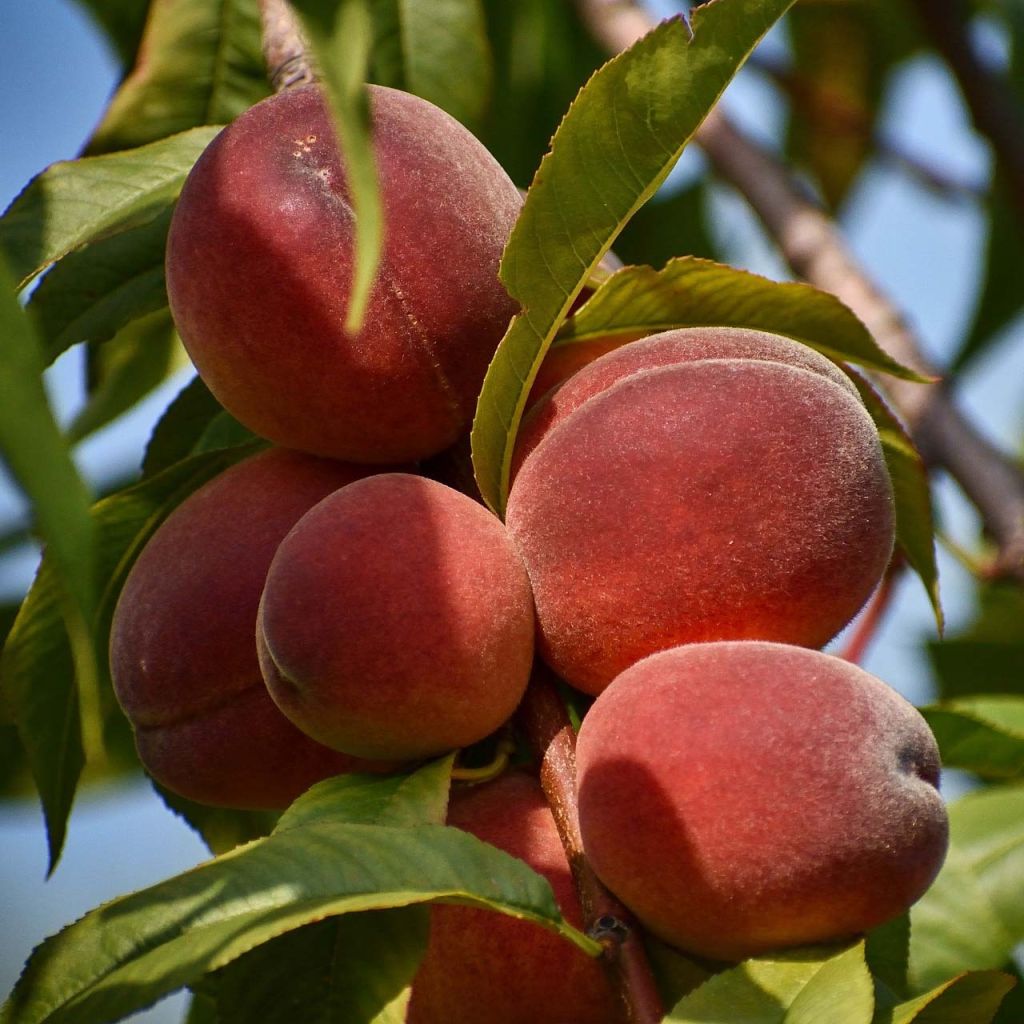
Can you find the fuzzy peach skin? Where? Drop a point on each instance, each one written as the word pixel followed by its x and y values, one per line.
pixel 397 620
pixel 486 968
pixel 694 486
pixel 742 797
pixel 182 644
pixel 259 270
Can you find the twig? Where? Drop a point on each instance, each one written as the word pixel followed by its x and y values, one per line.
pixel 550 733
pixel 815 250
pixel 989 100
pixel 284 48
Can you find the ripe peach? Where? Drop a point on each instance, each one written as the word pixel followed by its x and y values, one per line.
pixel 397 620
pixel 698 485
pixel 744 796
pixel 182 644
pixel 259 262
pixel 485 968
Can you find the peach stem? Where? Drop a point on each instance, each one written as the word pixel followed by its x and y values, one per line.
pixel 546 724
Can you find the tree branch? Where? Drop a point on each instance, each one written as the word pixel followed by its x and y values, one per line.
pixel 815 250
pixel 553 740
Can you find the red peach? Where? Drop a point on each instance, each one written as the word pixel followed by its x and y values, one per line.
pixel 182 643
pixel 742 797
pixel 259 267
pixel 397 620
pixel 486 968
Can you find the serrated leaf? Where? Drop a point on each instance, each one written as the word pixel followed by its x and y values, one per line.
pixel 419 42
pixel 180 427
pixel 971 997
pixel 95 292
pixel 798 987
pixel 201 63
pixel 130 952
pixel 620 138
pixel 340 33
pixel 125 369
pixel 79 201
pixel 353 969
pixel 36 666
pixel 973 915
pixel 693 292
pixel 984 735
pixel 915 527
pixel 887 952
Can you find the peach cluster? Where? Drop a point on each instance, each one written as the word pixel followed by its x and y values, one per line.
pixel 691 516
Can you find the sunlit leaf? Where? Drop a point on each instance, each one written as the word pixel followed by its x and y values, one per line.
pixel 619 140
pixel 79 201
pixel 201 63
pixel 130 952
pixel 972 918
pixel 692 292
pixel 799 987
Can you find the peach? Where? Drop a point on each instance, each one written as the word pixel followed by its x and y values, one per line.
pixel 259 265
pixel 182 643
pixel 485 968
pixel 397 620
pixel 698 485
pixel 743 796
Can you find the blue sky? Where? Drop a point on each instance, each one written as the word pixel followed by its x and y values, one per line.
pixel 55 75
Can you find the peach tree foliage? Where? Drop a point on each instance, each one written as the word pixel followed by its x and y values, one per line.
pixel 356 861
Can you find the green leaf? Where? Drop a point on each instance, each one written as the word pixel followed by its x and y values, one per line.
pixel 915 527
pixel 984 735
pixel 354 969
pixel 125 369
pixel 130 952
pixel 180 427
pixel 95 292
pixel 691 292
pixel 987 657
pixel 800 987
pixel 79 201
pixel 37 668
pixel 887 951
pixel 340 33
pixel 417 799
pixel 201 63
pixel 419 42
pixel 617 143
pixel 973 915
pixel 971 997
